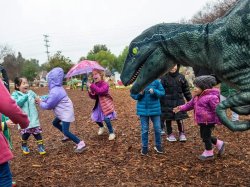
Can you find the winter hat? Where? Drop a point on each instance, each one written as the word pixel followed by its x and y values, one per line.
pixel 205 82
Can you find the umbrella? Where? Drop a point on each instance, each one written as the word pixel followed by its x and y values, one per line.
pixel 85 66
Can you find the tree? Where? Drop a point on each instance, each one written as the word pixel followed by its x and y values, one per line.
pixel 212 11
pixel 11 66
pixel 58 60
pixel 97 48
pixel 4 51
pixel 30 69
pixel 120 60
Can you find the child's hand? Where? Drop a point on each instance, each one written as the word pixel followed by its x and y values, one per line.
pixel 176 109
pixel 142 92
pixel 151 91
pixel 10 124
pixel 88 84
pixel 38 100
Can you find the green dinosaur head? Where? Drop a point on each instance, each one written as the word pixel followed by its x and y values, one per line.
pixel 146 60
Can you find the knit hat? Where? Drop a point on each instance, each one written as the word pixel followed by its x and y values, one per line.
pixel 205 82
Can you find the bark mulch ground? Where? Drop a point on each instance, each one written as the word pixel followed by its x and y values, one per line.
pixel 119 162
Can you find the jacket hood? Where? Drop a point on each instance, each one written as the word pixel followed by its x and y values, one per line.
pixel 212 91
pixel 55 77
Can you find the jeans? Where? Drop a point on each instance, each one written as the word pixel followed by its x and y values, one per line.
pixel 64 128
pixel 145 128
pixel 5 175
pixel 235 116
pixel 108 123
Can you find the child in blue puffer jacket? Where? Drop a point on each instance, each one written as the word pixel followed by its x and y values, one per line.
pixel 148 107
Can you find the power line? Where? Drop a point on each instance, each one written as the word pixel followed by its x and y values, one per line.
pixel 46 45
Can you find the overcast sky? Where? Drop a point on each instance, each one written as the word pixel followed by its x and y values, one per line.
pixel 75 26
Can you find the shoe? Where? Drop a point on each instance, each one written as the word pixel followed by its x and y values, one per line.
pixel 40 147
pixel 144 151
pixel 171 138
pixel 101 131
pixel 65 139
pixel 163 132
pixel 207 155
pixel 13 184
pixel 221 148
pixel 182 137
pixel 158 149
pixel 111 136
pixel 80 147
pixel 25 149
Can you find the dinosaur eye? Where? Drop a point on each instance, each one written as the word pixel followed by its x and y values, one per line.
pixel 135 50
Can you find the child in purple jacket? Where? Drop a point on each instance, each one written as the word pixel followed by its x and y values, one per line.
pixel 59 101
pixel 204 103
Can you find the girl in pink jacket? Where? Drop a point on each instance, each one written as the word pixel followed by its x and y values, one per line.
pixel 9 108
pixel 204 103
pixel 104 107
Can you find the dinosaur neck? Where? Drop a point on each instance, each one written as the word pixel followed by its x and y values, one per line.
pixel 187 44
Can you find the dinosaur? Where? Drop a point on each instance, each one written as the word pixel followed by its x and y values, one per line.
pixel 222 46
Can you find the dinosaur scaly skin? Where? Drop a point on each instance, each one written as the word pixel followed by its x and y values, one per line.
pixel 221 46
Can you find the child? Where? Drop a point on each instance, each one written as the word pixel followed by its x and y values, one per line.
pixel 59 101
pixel 9 108
pixel 25 99
pixel 148 107
pixel 104 107
pixel 204 103
pixel 176 88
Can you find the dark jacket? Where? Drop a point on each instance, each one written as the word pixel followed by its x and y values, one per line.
pixel 176 88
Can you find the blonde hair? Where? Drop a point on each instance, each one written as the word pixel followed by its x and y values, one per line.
pixel 101 72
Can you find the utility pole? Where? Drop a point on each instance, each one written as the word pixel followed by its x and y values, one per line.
pixel 46 45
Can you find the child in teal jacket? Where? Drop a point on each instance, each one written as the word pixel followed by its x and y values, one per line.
pixel 25 99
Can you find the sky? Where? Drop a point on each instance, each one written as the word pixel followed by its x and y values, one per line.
pixel 75 26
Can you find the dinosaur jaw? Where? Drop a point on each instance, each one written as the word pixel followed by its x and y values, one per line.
pixel 154 67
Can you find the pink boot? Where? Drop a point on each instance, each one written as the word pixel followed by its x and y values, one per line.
pixel 221 147
pixel 207 155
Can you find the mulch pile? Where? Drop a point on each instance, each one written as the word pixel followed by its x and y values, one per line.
pixel 119 162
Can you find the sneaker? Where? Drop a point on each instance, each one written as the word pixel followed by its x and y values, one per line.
pixel 13 184
pixel 65 139
pixel 207 155
pixel 144 151
pixel 182 137
pixel 163 132
pixel 171 138
pixel 101 131
pixel 111 136
pixel 25 149
pixel 158 149
pixel 222 149
pixel 41 149
pixel 80 147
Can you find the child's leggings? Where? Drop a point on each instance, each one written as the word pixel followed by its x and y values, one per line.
pixel 108 123
pixel 26 136
pixel 170 129
pixel 64 128
pixel 206 135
